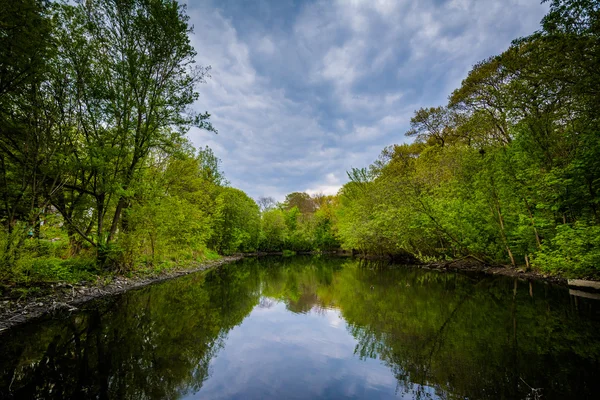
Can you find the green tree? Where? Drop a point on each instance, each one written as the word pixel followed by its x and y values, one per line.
pixel 237 222
pixel 131 65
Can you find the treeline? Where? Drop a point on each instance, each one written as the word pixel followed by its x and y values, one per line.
pixel 301 223
pixel 508 171
pixel 96 173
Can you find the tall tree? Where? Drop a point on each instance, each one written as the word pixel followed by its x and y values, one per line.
pixel 131 70
pixel 25 47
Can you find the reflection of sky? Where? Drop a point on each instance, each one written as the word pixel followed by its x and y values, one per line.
pixel 278 354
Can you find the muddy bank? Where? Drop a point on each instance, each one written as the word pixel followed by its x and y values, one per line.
pixel 474 265
pixel 62 296
pixel 299 253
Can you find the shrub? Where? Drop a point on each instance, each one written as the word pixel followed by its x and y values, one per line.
pixel 574 251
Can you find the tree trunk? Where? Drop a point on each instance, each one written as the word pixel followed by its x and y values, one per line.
pixel 503 232
pixel 537 236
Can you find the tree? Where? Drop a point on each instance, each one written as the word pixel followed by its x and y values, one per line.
pixel 131 70
pixel 432 124
pixel 266 203
pixel 25 47
pixel 301 200
pixel 483 96
pixel 210 167
pixel 274 231
pixel 237 222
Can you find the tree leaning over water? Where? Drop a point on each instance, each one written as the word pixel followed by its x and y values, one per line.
pixel 507 171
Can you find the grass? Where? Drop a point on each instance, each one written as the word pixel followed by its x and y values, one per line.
pixel 38 264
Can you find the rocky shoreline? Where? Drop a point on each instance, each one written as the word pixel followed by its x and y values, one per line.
pixel 68 297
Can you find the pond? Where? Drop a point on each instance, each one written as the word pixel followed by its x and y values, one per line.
pixel 314 328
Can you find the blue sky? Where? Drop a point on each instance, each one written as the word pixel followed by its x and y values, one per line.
pixel 301 91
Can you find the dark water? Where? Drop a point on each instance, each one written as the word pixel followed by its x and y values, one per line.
pixel 312 328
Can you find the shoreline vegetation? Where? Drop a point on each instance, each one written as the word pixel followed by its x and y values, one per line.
pixel 62 296
pixel 99 181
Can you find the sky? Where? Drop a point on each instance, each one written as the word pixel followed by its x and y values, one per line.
pixel 302 91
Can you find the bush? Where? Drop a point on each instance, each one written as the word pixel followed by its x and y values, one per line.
pixel 574 251
pixel 11 249
pixel 211 255
pixel 31 270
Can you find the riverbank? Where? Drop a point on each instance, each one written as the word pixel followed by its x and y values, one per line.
pixel 63 296
pixel 470 264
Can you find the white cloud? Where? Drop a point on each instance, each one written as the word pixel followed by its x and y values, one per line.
pixel 340 81
pixel 331 185
pixel 266 45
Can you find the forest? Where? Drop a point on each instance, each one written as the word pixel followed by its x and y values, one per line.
pixel 97 175
pixel 507 171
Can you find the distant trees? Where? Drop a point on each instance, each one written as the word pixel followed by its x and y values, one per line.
pixel 237 222
pixel 301 200
pixel 266 203
pixel 301 223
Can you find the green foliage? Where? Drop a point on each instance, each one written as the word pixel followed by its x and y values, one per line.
pixel 94 158
pixel 210 169
pixel 508 171
pixel 301 223
pixel 11 243
pixel 48 269
pixel 574 251
pixel 211 255
pixel 274 230
pixel 237 222
pixel 94 161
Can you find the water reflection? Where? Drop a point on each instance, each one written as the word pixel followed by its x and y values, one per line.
pixel 314 328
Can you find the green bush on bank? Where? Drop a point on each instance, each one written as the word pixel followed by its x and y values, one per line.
pixel 573 252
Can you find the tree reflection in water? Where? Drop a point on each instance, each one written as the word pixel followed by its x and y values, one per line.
pixel 442 335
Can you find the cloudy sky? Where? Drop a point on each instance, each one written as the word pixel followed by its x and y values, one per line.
pixel 301 91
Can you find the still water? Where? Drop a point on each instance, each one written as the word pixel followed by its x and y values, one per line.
pixel 314 328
